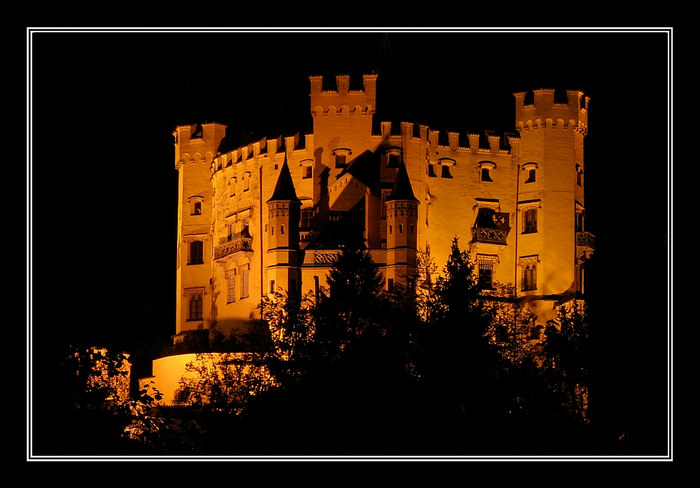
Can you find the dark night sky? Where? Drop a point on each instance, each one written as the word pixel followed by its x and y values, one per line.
pixel 103 190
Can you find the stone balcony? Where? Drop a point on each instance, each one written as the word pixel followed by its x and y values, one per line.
pixel 490 235
pixel 585 239
pixel 238 244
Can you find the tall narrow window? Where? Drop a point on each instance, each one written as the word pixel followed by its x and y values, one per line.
pixel 486 265
pixel 196 252
pixel 530 277
pixel 197 209
pixel 195 307
pixel 231 286
pixel 528 265
pixel 529 221
pixel 245 278
pixel 445 172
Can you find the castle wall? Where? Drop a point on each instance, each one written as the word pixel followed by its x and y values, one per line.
pixel 452 182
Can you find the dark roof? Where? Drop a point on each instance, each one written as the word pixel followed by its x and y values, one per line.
pixel 365 168
pixel 402 189
pixel 284 189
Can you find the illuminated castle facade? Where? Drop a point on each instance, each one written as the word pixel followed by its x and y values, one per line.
pixel 270 215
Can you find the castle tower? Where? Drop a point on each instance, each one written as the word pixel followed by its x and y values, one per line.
pixel 402 231
pixel 552 242
pixel 342 120
pixel 195 148
pixel 283 235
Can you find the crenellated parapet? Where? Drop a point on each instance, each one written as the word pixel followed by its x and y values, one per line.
pixel 342 100
pixel 487 142
pixel 545 113
pixel 274 149
pixel 197 142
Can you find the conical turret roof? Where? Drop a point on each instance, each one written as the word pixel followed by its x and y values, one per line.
pixel 402 189
pixel 284 189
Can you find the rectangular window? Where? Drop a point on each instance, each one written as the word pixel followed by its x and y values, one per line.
pixel 307 214
pixel 529 221
pixel 529 276
pixel 245 278
pixel 231 286
pixel 195 307
pixel 445 172
pixel 486 266
pixel 340 160
pixel 272 286
pixel 196 252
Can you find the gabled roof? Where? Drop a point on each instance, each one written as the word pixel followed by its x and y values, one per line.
pixel 402 189
pixel 284 189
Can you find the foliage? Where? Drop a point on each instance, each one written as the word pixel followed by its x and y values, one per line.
pixel 441 365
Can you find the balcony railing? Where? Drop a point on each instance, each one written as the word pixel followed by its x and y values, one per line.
pixel 490 235
pixel 585 239
pixel 232 246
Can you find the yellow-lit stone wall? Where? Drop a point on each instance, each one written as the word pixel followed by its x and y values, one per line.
pixel 536 171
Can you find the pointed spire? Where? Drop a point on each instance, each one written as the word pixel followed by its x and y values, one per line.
pixel 284 189
pixel 402 189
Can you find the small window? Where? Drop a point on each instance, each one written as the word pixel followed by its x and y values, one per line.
pixel 431 171
pixel 445 171
pixel 245 281
pixel 485 174
pixel 341 156
pixel 232 187
pixel 231 286
pixel 282 229
pixel 306 217
pixel 196 252
pixel 308 172
pixel 529 277
pixel 486 265
pixel 272 286
pixel 400 228
pixel 530 221
pixel 531 176
pixel 246 181
pixel 195 309
pixel 197 208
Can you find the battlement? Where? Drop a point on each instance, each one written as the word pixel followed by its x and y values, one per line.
pixel 342 99
pixel 544 112
pixel 487 141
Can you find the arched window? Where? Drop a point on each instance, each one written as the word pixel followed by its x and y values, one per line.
pixel 196 252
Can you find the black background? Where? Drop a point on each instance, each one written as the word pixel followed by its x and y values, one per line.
pixel 103 185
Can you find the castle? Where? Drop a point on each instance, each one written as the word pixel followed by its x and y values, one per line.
pixel 268 215
pixel 271 214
